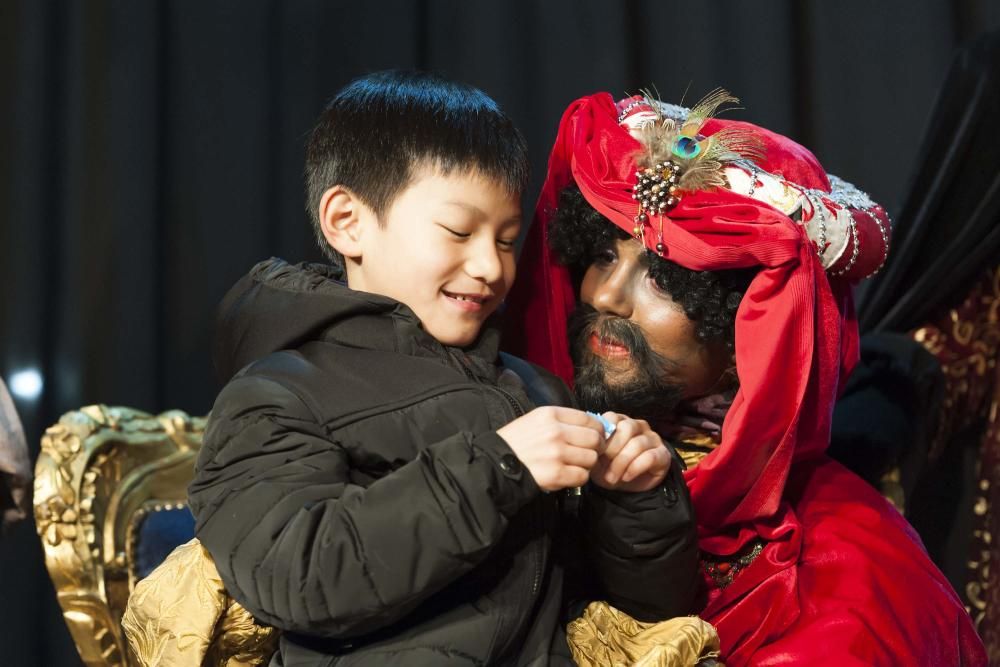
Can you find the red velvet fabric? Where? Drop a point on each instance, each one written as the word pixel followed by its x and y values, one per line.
pixel 842 578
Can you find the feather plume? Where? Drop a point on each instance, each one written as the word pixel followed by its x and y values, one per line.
pixel 700 159
pixel 708 107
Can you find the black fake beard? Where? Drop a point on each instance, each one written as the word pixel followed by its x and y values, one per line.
pixel 650 393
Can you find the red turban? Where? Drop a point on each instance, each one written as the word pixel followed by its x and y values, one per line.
pixel 769 480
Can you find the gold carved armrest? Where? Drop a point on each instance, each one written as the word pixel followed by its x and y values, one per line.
pixel 99 469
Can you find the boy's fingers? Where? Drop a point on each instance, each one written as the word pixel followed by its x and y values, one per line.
pixel 580 457
pixel 652 461
pixel 583 436
pixel 623 434
pixel 614 417
pixel 578 418
pixel 572 476
pixel 629 453
pixel 574 417
pixel 600 468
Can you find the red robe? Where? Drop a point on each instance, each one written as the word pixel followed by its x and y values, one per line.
pixel 842 578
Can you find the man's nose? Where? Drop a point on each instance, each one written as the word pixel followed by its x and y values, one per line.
pixel 613 295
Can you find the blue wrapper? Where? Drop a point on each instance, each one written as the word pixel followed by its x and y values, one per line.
pixel 609 428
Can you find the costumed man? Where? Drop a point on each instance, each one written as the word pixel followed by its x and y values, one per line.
pixel 704 270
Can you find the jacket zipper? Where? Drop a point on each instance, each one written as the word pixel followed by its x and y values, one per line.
pixel 536 581
pixel 518 411
pixel 515 406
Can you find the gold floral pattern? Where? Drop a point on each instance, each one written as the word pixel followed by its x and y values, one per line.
pixel 966 341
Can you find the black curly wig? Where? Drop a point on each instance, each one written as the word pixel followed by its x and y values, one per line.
pixel 578 233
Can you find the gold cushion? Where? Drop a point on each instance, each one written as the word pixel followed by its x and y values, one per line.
pixel 607 637
pixel 180 615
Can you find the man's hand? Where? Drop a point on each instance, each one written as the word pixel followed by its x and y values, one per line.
pixel 557 445
pixel 634 458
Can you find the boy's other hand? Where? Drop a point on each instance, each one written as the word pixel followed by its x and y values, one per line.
pixel 634 459
pixel 557 445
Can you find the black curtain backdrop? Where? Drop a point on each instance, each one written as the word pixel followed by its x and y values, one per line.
pixel 151 152
pixel 947 231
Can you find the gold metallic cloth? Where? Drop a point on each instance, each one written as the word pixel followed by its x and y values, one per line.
pixel 180 615
pixel 607 637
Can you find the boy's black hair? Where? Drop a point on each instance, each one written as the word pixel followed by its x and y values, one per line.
pixel 578 233
pixel 379 126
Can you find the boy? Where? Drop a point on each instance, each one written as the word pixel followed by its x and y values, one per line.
pixel 374 483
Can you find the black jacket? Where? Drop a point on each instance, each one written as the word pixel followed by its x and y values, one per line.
pixel 354 493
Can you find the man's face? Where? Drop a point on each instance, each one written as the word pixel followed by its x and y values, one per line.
pixel 634 347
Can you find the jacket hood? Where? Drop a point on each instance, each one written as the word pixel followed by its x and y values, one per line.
pixel 281 306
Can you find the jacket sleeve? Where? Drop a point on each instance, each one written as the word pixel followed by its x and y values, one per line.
pixel 305 550
pixel 644 547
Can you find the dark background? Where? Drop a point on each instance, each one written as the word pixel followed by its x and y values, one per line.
pixel 151 152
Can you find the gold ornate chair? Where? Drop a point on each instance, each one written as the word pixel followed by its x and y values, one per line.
pixel 110 503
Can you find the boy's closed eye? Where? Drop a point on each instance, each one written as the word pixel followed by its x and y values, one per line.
pixel 455 232
pixel 507 244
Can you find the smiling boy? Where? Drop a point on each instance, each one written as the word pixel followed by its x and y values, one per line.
pixel 375 481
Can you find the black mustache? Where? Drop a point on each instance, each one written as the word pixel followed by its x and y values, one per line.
pixel 585 321
pixel 652 394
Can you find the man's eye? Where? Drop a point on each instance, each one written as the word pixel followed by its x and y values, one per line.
pixel 604 256
pixel 659 288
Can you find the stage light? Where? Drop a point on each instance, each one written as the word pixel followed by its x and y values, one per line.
pixel 26 384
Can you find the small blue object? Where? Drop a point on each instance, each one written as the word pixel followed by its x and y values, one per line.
pixel 609 428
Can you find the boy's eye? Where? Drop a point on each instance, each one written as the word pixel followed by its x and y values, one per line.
pixel 461 235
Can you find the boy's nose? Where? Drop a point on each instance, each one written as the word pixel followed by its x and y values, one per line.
pixel 484 262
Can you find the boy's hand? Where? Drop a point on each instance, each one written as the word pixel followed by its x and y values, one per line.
pixel 557 445
pixel 634 459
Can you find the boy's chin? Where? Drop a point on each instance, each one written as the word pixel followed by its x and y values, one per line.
pixel 452 340
pixel 455 336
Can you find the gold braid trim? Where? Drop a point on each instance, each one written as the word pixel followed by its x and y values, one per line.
pixel 723 569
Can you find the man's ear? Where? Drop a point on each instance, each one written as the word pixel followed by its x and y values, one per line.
pixel 340 218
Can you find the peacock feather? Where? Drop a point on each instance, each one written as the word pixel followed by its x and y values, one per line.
pixel 676 148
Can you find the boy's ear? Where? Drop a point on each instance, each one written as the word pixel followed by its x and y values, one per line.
pixel 340 217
